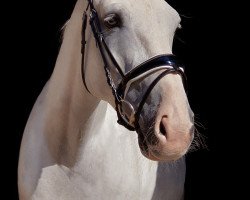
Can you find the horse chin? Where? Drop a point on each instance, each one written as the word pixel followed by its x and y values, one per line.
pixel 159 153
pixel 156 156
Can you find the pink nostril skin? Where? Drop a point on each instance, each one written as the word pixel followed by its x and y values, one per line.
pixel 163 125
pixel 172 131
pixel 174 138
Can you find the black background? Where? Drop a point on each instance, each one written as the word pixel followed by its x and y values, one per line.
pixel 32 43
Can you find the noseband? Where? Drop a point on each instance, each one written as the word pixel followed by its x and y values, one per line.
pixel 127 115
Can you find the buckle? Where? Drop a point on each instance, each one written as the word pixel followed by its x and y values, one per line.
pixel 127 112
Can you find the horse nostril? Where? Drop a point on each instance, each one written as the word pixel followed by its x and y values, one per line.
pixel 162 129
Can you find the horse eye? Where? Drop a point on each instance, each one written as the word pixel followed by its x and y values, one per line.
pixel 112 20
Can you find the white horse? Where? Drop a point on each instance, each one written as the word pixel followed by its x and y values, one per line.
pixel 72 147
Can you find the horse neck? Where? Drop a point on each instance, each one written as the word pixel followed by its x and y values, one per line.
pixel 68 107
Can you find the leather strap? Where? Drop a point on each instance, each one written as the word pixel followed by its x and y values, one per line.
pixel 84 25
pixel 155 62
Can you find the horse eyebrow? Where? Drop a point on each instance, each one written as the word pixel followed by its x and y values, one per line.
pixel 116 7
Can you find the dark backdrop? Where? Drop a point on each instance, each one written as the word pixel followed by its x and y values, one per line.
pixel 34 29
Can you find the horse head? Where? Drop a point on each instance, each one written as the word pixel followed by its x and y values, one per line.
pixel 147 81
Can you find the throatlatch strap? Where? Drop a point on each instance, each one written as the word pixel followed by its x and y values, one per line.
pixel 84 26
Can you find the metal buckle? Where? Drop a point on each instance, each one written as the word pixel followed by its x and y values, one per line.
pixel 127 112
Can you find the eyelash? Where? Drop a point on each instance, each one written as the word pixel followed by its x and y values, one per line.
pixel 112 24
